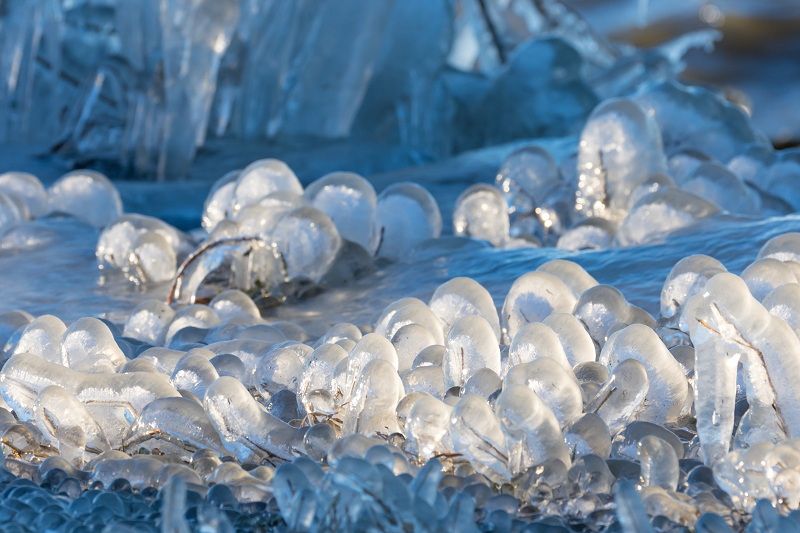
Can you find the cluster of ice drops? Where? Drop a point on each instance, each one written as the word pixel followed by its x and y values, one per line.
pixel 643 168
pixel 261 229
pixel 540 411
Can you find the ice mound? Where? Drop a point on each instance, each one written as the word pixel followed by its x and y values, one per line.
pixel 427 404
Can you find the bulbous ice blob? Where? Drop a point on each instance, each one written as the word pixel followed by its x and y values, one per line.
pixel 532 431
pixel 593 233
pixel 320 370
pixel 620 146
pixel 682 163
pixel 659 463
pixel 476 433
pixel 534 341
pixel 432 355
pixel 339 332
pixel 694 117
pixel 602 308
pixel 11 326
pixel 246 429
pixel 179 418
pixel 784 247
pixel 233 304
pixel 89 346
pixel 110 398
pixel 765 275
pixel 481 212
pixel 416 314
pixel 618 400
pixel 350 201
pixel 681 279
pixel 575 340
pixel 306 242
pixel 428 428
pixel 461 297
pixel 532 298
pixel 406 215
pixel 28 188
pixel 151 259
pixel 717 184
pixel 408 342
pixel 425 379
pixel 373 346
pixel 781 178
pixel 10 212
pixel 552 384
pixel 141 472
pixel 163 359
pixel 193 373
pixel 374 401
pixel 259 221
pixel 471 345
pixel 118 239
pixel 261 178
pixel 526 177
pixel 753 164
pixel 194 316
pixel 784 302
pixel 382 324
pixel 658 214
pixel 277 370
pixel 219 202
pixel 42 338
pixel 668 387
pixel 726 323
pixel 654 183
pixel 571 274
pixel 483 383
pixel 588 435
pixel 68 425
pixel 87 195
pixel 591 376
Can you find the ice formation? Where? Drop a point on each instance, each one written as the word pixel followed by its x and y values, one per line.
pixel 230 401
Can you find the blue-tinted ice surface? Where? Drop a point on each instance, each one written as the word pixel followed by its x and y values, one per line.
pixel 51 265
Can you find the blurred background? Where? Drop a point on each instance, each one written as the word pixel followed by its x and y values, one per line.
pixel 167 90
